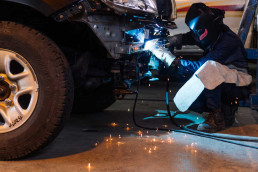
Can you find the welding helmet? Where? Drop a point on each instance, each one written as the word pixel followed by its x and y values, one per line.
pixel 204 23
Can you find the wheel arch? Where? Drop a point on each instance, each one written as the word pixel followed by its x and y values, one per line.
pixel 65 34
pixel 46 7
pixel 73 38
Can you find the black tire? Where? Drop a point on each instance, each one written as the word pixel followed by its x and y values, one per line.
pixel 55 95
pixel 95 101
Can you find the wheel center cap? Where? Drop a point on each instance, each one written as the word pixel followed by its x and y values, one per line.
pixel 4 90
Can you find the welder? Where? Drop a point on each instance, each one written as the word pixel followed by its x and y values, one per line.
pixel 221 45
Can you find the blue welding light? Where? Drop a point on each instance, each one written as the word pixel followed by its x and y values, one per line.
pixel 149 45
pixel 156 30
pixel 153 79
pixel 194 118
pixel 167 100
pixel 153 63
pixel 138 34
pixel 139 17
pixel 193 23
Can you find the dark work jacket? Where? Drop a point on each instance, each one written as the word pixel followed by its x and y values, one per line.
pixel 228 49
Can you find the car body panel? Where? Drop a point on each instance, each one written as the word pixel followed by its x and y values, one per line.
pixel 46 7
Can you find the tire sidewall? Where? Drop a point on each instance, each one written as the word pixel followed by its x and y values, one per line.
pixel 48 116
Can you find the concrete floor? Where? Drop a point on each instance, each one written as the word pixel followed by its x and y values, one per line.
pixel 110 142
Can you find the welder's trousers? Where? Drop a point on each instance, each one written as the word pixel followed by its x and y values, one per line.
pixel 211 100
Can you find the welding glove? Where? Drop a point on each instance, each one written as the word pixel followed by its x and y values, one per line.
pixel 160 52
pixel 176 41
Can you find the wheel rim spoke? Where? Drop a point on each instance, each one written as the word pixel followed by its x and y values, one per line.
pixel 27 82
pixel 16 100
pixel 22 81
pixel 8 72
pixel 2 62
pixel 5 116
pixel 14 115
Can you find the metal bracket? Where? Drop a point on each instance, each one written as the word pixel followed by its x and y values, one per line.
pixel 74 9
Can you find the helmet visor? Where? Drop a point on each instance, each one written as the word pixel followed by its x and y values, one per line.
pixel 199 27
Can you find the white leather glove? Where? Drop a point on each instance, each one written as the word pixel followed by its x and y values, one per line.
pixel 160 52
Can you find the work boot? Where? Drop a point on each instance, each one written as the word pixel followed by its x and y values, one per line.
pixel 213 123
pixel 229 114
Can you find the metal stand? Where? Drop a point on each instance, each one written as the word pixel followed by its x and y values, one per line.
pixel 244 27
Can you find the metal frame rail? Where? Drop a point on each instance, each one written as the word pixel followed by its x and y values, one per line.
pixel 243 30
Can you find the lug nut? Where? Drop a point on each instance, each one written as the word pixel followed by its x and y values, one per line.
pixel 8 102
pixel 2 91
pixel 1 78
pixel 12 87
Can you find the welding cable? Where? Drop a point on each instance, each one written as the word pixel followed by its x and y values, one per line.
pixel 226 136
pixel 134 107
pixel 136 99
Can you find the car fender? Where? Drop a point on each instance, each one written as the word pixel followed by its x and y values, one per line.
pixel 46 7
